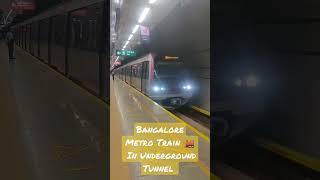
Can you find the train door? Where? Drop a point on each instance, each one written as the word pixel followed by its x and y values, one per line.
pixel 31 38
pixel 144 77
pixel 130 69
pixel 139 76
pixel 126 74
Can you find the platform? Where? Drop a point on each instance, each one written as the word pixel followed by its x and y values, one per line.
pixel 62 125
pixel 134 107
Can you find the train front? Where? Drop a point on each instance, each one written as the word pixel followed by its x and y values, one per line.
pixel 172 86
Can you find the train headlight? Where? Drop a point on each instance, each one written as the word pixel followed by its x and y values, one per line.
pixel 187 87
pixel 250 81
pixel 156 88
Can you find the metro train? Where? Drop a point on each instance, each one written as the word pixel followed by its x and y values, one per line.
pixel 72 39
pixel 165 80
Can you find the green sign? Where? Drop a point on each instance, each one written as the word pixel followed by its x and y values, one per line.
pixel 129 53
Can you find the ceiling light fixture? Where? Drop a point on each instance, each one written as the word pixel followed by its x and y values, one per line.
pixel 143 14
pixel 130 37
pixel 135 29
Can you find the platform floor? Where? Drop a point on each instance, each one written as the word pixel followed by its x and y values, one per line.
pixel 62 125
pixel 135 107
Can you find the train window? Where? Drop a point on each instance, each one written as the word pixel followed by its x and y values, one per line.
pixel 58 40
pixel 145 73
pixel 139 70
pixel 134 70
pixel 23 37
pixel 85 24
pixel 35 38
pixel 43 40
pixel 129 70
pixel 28 40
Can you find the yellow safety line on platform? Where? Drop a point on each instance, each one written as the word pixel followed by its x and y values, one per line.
pixel 205 112
pixel 201 165
pixel 290 154
pixel 64 77
pixel 206 138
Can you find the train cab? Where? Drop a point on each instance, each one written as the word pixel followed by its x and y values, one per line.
pixel 171 86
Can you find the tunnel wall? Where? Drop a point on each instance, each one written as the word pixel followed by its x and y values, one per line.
pixel 286 36
pixel 298 54
pixel 185 32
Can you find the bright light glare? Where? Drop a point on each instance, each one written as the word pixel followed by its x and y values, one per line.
pixel 130 37
pixel 156 88
pixel 162 89
pixel 152 1
pixel 135 29
pixel 143 14
pixel 188 87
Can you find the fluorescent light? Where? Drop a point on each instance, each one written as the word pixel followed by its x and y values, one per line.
pixel 143 14
pixel 135 29
pixel 152 1
pixel 126 43
pixel 130 37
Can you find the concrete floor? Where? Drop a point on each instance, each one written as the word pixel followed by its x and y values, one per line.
pixel 134 107
pixel 62 125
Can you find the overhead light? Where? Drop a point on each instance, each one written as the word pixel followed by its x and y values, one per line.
pixel 127 42
pixel 135 29
pixel 152 1
pixel 130 37
pixel 143 14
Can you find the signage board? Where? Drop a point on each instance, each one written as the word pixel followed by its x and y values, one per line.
pixel 129 53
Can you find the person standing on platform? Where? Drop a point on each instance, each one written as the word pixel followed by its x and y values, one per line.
pixel 10 43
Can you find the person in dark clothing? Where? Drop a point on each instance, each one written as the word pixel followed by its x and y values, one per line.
pixel 10 43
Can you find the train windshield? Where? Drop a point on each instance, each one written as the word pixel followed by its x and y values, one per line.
pixel 170 69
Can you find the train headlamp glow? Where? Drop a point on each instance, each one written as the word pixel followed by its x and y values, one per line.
pixel 238 82
pixel 157 88
pixel 187 87
pixel 252 81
